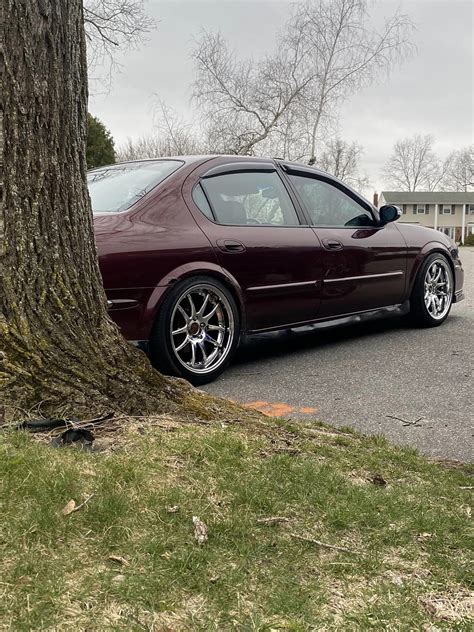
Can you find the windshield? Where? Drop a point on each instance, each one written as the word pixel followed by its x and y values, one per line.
pixel 117 187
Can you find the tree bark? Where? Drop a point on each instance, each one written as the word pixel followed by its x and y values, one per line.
pixel 58 344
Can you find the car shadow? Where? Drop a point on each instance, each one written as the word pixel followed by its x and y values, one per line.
pixel 293 341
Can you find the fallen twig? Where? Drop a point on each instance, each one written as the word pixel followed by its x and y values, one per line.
pixel 333 547
pixel 406 422
pixel 272 520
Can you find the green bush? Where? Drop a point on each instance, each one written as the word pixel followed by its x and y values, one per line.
pixel 100 144
pixel 469 240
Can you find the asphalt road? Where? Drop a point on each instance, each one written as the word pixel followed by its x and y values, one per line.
pixel 366 375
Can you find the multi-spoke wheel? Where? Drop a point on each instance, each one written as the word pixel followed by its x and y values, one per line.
pixel 432 294
pixel 197 330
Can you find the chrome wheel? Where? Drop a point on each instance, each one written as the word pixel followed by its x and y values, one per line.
pixel 438 289
pixel 202 328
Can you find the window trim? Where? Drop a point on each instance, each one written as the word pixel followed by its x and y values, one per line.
pixel 199 185
pixel 244 167
pixel 308 173
pixel 446 209
pixel 240 167
pixel 419 211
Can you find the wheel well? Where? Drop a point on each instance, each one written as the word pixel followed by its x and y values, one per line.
pixel 211 274
pixel 436 251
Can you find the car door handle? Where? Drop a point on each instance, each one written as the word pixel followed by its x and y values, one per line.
pixel 230 245
pixel 332 244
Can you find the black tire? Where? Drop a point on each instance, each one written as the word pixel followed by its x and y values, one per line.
pixel 225 324
pixel 420 315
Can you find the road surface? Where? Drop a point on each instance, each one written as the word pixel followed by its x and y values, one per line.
pixel 366 376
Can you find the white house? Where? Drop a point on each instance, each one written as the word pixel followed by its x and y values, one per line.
pixel 450 212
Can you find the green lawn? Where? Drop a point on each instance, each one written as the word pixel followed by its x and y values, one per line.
pixel 402 561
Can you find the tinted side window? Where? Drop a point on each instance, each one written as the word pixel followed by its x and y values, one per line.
pixel 328 206
pixel 248 198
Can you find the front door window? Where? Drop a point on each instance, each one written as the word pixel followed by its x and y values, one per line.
pixel 328 205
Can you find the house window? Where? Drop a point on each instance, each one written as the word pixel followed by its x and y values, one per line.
pixel 421 209
pixel 447 209
pixel 470 209
pixel 450 231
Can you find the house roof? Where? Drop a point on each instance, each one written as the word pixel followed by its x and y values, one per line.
pixel 428 197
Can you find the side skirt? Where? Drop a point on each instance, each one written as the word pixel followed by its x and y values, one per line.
pixel 314 325
pixel 345 319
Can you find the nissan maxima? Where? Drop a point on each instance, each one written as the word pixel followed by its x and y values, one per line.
pixel 198 252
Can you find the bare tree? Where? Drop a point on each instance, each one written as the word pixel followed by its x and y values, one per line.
pixel 172 136
pixel 244 101
pixel 413 165
pixel 149 146
pixel 178 136
pixel 111 25
pixel 325 53
pixel 345 53
pixel 459 170
pixel 342 160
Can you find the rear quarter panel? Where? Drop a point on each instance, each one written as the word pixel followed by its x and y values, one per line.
pixel 142 252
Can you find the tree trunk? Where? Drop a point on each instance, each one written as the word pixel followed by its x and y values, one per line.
pixel 58 344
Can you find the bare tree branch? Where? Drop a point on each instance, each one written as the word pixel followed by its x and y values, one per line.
pixel 413 165
pixel 112 25
pixel 346 53
pixel 283 101
pixel 459 170
pixel 342 159
pixel 172 136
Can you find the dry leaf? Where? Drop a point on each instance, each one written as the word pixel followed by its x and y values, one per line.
pixel 69 508
pixel 118 559
pixel 118 578
pixel 173 509
pixel 200 530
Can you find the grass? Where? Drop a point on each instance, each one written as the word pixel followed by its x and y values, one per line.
pixel 404 562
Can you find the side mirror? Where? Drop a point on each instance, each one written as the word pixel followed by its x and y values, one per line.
pixel 389 213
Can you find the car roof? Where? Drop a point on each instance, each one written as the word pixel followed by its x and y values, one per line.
pixel 189 159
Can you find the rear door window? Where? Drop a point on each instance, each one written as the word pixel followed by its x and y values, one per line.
pixel 248 198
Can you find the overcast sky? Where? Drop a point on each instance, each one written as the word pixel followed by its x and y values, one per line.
pixel 433 93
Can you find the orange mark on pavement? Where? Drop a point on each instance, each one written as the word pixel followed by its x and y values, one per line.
pixel 272 410
pixel 277 409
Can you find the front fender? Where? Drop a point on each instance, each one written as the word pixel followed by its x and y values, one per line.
pixel 431 248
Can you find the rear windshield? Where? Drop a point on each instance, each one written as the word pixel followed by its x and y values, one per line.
pixel 117 187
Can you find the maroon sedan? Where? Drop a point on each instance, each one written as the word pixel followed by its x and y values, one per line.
pixel 197 252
